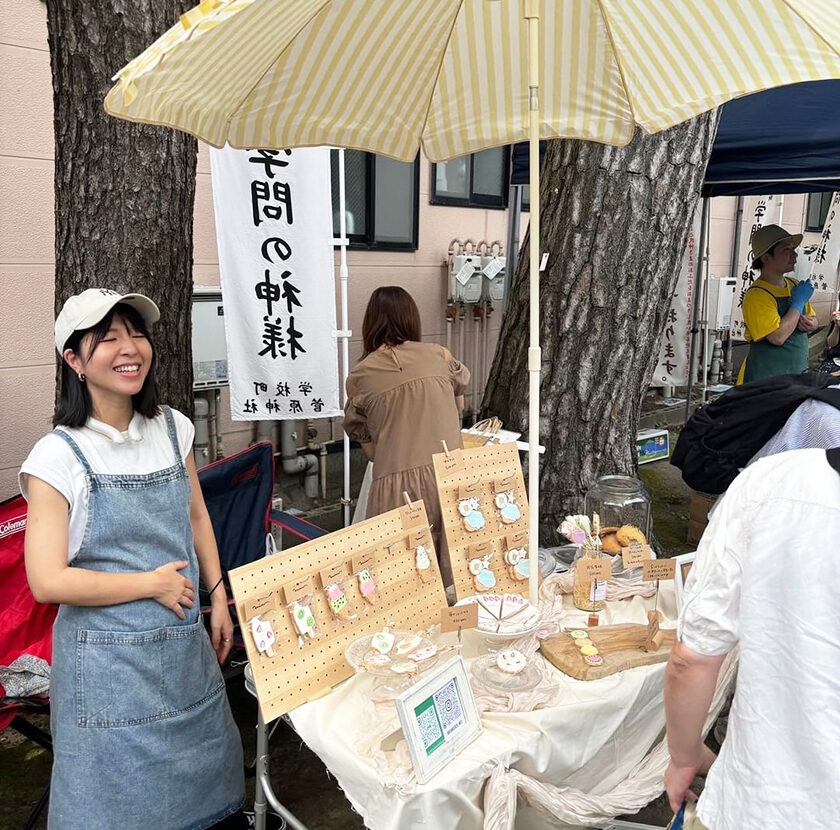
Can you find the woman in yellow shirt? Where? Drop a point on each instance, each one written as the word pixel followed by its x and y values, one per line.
pixel 777 314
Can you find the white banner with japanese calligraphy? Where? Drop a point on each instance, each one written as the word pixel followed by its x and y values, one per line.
pixel 675 345
pixel 274 232
pixel 825 261
pixel 758 211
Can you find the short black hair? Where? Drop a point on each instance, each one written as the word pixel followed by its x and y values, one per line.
pixel 756 263
pixel 74 406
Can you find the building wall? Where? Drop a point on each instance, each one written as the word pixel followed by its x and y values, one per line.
pixel 27 358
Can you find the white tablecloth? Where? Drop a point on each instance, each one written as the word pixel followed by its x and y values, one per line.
pixel 589 737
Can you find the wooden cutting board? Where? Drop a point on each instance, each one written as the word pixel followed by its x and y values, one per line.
pixel 619 645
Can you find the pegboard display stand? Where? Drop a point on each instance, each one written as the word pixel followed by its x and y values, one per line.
pixel 481 466
pixel 296 674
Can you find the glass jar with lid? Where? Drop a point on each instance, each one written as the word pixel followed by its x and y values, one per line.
pixel 619 500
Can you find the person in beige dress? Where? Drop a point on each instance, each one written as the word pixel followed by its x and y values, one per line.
pixel 403 398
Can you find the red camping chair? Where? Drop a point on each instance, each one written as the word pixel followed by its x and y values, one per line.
pixel 25 629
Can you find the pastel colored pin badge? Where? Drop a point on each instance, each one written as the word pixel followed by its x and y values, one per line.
pixel 263 635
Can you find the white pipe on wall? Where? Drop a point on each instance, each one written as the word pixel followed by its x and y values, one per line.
pixel 292 462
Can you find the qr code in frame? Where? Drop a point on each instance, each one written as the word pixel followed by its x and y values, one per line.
pixel 428 726
pixel 449 709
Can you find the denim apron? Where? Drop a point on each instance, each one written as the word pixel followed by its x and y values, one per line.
pixel 765 359
pixel 143 736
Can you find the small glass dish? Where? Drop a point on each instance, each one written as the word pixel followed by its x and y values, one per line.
pixel 487 672
pixel 357 651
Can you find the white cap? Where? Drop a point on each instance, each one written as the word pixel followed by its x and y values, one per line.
pixel 82 311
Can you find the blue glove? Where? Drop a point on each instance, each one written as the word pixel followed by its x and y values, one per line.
pixel 800 294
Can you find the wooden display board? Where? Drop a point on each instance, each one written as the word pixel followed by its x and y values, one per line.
pixel 296 674
pixel 480 470
pixel 621 646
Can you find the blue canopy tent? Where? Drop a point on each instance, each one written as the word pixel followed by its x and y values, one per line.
pixel 782 140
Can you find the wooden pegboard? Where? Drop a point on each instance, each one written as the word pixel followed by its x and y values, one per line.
pixel 294 674
pixel 480 466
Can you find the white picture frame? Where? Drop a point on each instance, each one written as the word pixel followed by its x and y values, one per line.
pixel 439 717
pixel 683 565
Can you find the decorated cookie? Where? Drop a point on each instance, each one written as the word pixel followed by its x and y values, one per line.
pixel 382 641
pixel 423 653
pixel 367 587
pixel 483 578
pixel 472 516
pixel 408 644
pixel 521 570
pixel 263 635
pixel 578 634
pixel 594 659
pixel 422 563
pixel 337 600
pixel 583 641
pixel 304 619
pixel 511 661
pixel 589 651
pixel 404 667
pixel 509 511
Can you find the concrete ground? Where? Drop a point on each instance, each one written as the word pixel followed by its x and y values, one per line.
pixel 301 781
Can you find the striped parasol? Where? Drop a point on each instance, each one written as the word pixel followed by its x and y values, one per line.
pixel 459 76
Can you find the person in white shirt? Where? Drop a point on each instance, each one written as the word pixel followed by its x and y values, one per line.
pixel 118 536
pixel 765 579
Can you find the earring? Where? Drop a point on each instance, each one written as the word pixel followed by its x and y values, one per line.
pixel 82 377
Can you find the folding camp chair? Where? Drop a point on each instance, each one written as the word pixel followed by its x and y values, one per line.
pixel 25 629
pixel 238 491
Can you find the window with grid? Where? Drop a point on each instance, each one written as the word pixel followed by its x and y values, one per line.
pixel 818 204
pixel 381 201
pixel 478 180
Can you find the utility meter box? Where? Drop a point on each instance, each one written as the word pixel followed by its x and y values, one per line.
pixel 493 268
pixel 721 294
pixel 466 277
pixel 209 346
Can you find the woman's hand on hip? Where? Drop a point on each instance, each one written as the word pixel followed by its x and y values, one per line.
pixel 221 630
pixel 171 589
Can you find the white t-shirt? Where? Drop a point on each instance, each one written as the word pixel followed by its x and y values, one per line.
pixel 143 448
pixel 766 576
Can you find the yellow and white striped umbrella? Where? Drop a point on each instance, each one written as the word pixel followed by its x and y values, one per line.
pixel 387 75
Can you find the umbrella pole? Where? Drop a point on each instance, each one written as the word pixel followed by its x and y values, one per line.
pixel 344 334
pixel 532 15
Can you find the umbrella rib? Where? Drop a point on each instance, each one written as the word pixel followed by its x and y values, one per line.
pixel 618 63
pixel 808 23
pixel 274 59
pixel 439 69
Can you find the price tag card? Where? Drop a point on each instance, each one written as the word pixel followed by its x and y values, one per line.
pixel 516 540
pixel 337 572
pixel 419 537
pixel 297 589
pixel 635 555
pixel 502 485
pixel 255 606
pixel 469 491
pixel 411 516
pixel 659 569
pixel 364 560
pixel 588 569
pixel 467 270
pixel 479 551
pixel 459 616
pixel 451 463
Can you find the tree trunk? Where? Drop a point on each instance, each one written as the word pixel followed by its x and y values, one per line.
pixel 615 223
pixel 124 192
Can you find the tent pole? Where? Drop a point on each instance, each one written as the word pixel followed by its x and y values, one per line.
pixel 698 291
pixel 512 239
pixel 532 15
pixel 344 334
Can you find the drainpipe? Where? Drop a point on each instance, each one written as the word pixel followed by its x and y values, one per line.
pixel 201 443
pixel 293 463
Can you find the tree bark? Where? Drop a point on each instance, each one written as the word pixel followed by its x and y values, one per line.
pixel 615 223
pixel 124 192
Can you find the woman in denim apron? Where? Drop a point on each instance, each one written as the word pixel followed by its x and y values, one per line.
pixel 143 736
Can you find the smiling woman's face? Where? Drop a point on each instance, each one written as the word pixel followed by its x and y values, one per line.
pixel 119 364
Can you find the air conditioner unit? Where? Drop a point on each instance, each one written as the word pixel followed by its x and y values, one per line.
pixel 209 347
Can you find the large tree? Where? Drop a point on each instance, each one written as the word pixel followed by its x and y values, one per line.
pixel 614 223
pixel 124 193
